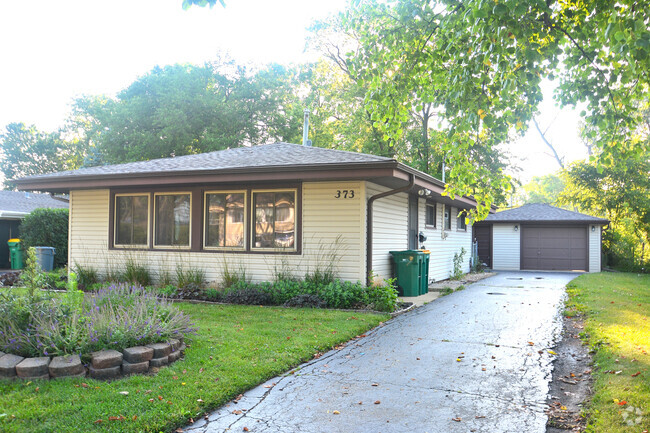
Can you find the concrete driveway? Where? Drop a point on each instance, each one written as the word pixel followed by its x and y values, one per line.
pixel 474 361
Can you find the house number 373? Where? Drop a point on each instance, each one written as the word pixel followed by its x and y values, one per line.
pixel 344 193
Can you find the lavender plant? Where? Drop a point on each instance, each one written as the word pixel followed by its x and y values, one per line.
pixel 115 317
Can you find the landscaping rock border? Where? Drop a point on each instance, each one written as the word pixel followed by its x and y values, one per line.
pixel 104 365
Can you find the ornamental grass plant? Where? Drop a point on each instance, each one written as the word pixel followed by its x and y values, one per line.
pixel 119 316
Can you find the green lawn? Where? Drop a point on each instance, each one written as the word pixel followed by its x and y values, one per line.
pixel 617 327
pixel 236 348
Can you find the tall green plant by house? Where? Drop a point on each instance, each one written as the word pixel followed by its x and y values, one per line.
pixel 31 276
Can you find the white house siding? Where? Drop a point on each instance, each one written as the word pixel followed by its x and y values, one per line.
pixel 329 224
pixel 389 228
pixel 506 247
pixel 594 249
pixel 443 244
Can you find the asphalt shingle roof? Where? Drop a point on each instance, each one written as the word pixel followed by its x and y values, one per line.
pixel 16 201
pixel 541 212
pixel 264 156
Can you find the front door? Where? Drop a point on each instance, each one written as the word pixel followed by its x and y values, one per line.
pixel 413 222
pixel 483 237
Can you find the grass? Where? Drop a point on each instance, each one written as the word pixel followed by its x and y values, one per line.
pixel 616 307
pixel 236 348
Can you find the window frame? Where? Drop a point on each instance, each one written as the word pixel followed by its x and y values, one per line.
pixel 446 218
pixel 296 222
pixel 115 221
pixel 460 219
pixel 427 206
pixel 204 220
pixel 153 226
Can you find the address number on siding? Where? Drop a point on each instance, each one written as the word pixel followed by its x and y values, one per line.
pixel 344 193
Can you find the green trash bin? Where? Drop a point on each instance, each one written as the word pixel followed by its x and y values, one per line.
pixel 408 271
pixel 424 272
pixel 15 253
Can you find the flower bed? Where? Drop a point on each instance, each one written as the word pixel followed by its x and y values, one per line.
pixel 118 318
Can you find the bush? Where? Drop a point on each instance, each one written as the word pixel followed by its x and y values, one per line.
pixel 87 276
pixel 115 317
pixel 248 296
pixel 234 278
pixel 136 273
pixel 306 301
pixel 48 228
pixel 343 294
pixel 55 280
pixel 383 298
pixel 190 276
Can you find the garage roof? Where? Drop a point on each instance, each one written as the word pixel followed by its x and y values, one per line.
pixel 15 204
pixel 542 212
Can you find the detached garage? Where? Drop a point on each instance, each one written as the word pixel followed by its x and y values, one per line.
pixel 540 237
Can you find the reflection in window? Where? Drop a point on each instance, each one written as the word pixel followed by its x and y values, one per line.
pixel 131 219
pixel 225 220
pixel 172 220
pixel 274 219
pixel 460 222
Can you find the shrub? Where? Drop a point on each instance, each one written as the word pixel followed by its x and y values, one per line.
pixel 383 298
pixel 458 264
pixel 284 290
pixel 343 294
pixel 31 276
pixel 87 276
pixel 47 227
pixel 212 294
pixel 234 278
pixel 168 291
pixel 116 317
pixel 306 301
pixel 248 296
pixel 54 280
pixel 136 273
pixel 185 277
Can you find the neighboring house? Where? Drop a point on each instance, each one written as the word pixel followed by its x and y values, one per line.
pixel 540 237
pixel 14 206
pixel 263 209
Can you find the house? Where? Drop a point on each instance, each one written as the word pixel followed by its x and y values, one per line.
pixel 14 206
pixel 539 236
pixel 259 208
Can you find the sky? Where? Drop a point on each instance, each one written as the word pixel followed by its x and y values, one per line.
pixel 54 51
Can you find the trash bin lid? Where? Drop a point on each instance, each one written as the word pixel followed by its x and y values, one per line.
pixel 14 240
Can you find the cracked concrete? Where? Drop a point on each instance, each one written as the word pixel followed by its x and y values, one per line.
pixel 474 361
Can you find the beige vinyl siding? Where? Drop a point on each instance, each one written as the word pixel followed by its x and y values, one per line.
pixel 329 225
pixel 594 249
pixel 390 228
pixel 443 244
pixel 506 247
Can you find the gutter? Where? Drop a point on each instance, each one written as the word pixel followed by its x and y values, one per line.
pixel 371 200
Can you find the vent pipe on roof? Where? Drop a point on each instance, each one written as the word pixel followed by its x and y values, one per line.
pixel 305 130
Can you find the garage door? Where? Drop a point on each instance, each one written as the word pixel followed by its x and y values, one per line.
pixel 554 248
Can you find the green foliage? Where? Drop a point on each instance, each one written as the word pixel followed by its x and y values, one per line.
pixel 55 280
pixel 87 276
pixel 384 297
pixel 544 189
pixel 27 151
pixel 458 264
pixel 115 317
pixel 620 193
pixel 480 65
pixel 31 276
pixel 47 228
pixel 234 278
pixel 185 109
pixel 136 273
pixel 327 259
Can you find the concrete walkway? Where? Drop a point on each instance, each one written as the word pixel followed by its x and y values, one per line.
pixel 474 361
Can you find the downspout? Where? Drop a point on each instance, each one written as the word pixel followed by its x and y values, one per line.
pixel 371 200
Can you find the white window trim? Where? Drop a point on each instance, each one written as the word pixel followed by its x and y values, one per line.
pixel 449 212
pixel 295 221
pixel 115 221
pixel 434 205
pixel 205 219
pixel 173 247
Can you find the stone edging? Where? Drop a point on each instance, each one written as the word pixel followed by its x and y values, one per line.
pixel 105 364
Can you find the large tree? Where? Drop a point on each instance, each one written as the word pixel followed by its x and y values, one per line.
pixel 480 63
pixel 26 151
pixel 184 109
